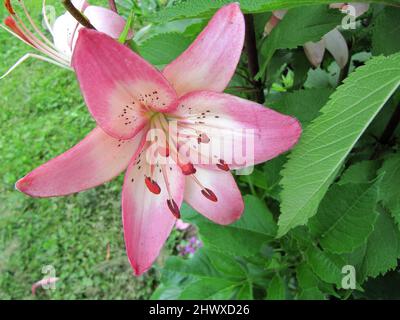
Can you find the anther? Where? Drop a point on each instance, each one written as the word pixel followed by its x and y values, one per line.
pixel 209 195
pixel 188 169
pixel 152 185
pixel 222 165
pixel 173 207
pixel 7 4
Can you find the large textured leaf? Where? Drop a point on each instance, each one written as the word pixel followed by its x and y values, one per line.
pixel 346 216
pixel 205 8
pixel 360 172
pixel 210 289
pixel 390 186
pixel 299 26
pixel 302 104
pixel 162 48
pixel 242 238
pixel 276 289
pixel 327 266
pixel 386 32
pixel 328 139
pixel 382 250
pixel 308 284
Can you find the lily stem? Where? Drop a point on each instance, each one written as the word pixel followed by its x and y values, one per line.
pixel 77 14
pixel 252 57
pixel 112 5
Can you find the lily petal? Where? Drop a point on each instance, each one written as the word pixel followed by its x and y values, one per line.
pixel 240 132
pixel 146 217
pixel 95 160
pixel 118 85
pixel 336 44
pixel 64 31
pixel 210 62
pixel 107 21
pixel 315 52
pixel 229 205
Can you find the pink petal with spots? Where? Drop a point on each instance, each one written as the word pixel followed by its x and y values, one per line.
pixel 211 60
pixel 239 132
pixel 146 216
pixel 96 159
pixel 119 86
pixel 229 205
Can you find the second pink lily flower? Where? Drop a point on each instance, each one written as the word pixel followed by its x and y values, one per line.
pixel 130 98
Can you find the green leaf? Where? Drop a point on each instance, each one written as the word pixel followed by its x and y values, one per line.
pixel 308 284
pixel 386 32
pixel 161 49
pixel 360 172
pixel 329 138
pixel 299 26
pixel 210 289
pixel 302 104
pixel 245 237
pixel 127 28
pixel 327 266
pixel 276 289
pixel 390 187
pixel 382 249
pixel 346 216
pixel 205 8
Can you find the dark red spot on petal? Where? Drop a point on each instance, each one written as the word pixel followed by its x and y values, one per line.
pixel 152 185
pixel 209 195
pixel 173 207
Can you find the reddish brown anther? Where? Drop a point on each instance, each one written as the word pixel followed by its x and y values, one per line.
pixel 152 185
pixel 10 23
pixel 209 195
pixel 222 165
pixel 10 9
pixel 188 169
pixel 173 207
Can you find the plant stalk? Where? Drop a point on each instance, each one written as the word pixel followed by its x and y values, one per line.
pixel 252 57
pixel 77 14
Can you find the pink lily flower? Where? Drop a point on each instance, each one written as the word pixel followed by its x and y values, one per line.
pixel 64 31
pixel 333 41
pixel 182 109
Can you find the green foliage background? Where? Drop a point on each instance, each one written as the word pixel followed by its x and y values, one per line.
pixel 333 201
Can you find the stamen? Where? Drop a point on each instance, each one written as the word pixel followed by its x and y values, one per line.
pixel 209 194
pixel 152 185
pixel 10 9
pixel 188 169
pixel 222 165
pixel 10 22
pixel 173 207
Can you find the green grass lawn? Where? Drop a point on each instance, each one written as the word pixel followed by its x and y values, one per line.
pixel 42 115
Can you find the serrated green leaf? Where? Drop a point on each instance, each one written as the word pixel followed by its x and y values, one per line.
pixel 329 138
pixel 245 237
pixel 276 289
pixel 360 172
pixel 308 284
pixel 162 48
pixel 386 32
pixel 299 26
pixel 346 216
pixel 205 8
pixel 390 187
pixel 327 266
pixel 302 104
pixel 382 248
pixel 210 289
